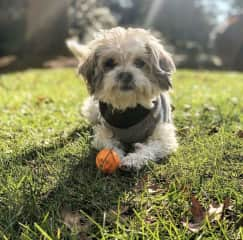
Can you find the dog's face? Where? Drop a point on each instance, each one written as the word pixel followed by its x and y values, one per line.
pixel 126 67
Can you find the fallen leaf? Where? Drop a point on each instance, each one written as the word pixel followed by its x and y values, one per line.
pixel 215 212
pixel 226 206
pixel 240 133
pixel 198 213
pixel 226 203
pixel 193 227
pixel 198 216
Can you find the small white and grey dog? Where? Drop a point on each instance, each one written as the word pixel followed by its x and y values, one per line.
pixel 128 74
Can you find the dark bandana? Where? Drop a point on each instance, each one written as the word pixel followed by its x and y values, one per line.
pixel 123 119
pixel 135 124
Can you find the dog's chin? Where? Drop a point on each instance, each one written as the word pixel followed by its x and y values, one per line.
pixel 125 97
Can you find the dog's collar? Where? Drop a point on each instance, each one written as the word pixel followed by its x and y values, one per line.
pixel 126 118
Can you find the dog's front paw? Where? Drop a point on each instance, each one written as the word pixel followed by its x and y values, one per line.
pixel 132 161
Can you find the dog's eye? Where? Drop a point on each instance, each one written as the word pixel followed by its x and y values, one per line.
pixel 109 63
pixel 139 63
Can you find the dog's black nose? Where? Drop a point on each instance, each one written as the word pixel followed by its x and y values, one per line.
pixel 125 77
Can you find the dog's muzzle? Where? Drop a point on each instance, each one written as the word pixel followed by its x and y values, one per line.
pixel 126 81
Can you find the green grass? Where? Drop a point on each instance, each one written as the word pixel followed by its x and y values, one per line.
pixel 48 169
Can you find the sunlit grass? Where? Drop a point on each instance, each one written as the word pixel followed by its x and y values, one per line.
pixel 48 174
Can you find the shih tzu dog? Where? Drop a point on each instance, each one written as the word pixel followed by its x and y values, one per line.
pixel 128 74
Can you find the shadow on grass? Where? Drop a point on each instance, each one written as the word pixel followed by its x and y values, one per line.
pixel 80 187
pixel 34 152
pixel 87 190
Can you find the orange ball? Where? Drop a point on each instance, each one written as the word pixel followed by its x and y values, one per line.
pixel 107 160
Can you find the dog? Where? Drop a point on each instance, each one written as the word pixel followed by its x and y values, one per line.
pixel 129 75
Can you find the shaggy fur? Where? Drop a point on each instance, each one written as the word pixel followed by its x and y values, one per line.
pixel 124 68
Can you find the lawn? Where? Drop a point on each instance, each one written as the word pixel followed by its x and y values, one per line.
pixel 51 189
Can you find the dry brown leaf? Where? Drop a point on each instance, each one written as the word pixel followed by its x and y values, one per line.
pixel 198 216
pixel 214 213
pixel 226 203
pixel 240 133
pixel 198 213
pixel 226 206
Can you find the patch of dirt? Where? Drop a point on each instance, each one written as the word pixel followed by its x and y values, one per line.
pixel 13 63
pixel 7 60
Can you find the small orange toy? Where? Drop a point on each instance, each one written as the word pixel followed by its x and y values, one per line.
pixel 107 160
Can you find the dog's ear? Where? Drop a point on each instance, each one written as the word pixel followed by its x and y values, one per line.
pixel 162 64
pixel 80 51
pixel 87 63
pixel 89 70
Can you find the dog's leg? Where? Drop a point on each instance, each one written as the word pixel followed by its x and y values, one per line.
pixel 159 145
pixel 90 110
pixel 103 138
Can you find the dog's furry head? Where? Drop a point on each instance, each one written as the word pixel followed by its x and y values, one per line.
pixel 125 67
